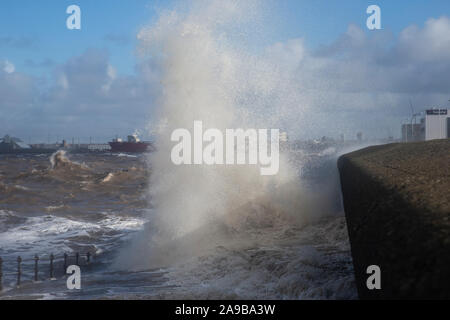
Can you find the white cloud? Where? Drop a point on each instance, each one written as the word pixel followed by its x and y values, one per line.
pixel 8 67
pixel 112 75
pixel 75 102
pixel 362 81
pixel 63 82
pixel 430 43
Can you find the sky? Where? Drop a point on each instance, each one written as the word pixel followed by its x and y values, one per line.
pixel 58 83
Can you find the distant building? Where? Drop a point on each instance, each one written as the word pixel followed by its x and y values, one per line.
pixel 284 137
pixel 437 124
pixel 413 132
pixel 8 143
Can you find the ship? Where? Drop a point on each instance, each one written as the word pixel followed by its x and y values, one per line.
pixel 132 145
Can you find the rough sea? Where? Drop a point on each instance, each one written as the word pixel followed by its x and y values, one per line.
pixel 99 202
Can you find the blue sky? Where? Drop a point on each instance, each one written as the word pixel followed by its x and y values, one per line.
pixel 45 23
pixel 113 25
pixel 60 82
pixel 321 21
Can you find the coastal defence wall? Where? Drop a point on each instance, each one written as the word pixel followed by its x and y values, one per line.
pixel 397 206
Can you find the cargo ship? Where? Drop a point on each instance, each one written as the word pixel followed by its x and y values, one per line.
pixel 133 145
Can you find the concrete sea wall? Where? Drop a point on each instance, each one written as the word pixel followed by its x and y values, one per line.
pixel 397 205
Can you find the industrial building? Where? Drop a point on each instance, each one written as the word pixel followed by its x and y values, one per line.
pixel 434 124
pixel 8 143
pixel 413 132
pixel 437 124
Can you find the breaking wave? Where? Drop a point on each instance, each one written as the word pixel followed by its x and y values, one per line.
pixel 217 231
pixel 226 223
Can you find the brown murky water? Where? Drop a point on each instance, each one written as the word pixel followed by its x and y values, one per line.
pixel 97 202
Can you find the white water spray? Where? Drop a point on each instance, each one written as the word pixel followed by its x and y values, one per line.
pixel 209 74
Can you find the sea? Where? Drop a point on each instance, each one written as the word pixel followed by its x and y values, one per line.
pixel 98 203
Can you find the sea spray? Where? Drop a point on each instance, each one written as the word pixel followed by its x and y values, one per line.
pixel 59 159
pixel 207 73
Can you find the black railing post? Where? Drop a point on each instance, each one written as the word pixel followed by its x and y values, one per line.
pixel 51 265
pixel 1 274
pixel 36 270
pixel 65 262
pixel 88 257
pixel 77 256
pixel 19 270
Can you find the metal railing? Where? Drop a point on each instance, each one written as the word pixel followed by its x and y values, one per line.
pixel 55 264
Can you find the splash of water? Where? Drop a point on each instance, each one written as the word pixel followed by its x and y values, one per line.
pixel 59 159
pixel 209 73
